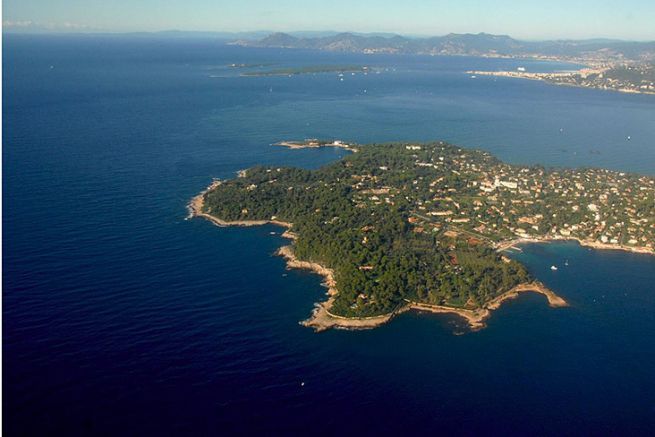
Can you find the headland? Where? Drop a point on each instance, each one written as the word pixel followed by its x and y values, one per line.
pixel 398 227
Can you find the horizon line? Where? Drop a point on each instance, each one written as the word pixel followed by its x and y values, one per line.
pixel 384 34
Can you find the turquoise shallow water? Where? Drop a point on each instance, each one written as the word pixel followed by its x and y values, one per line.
pixel 120 316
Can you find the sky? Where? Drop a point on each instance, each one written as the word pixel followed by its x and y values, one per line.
pixel 525 19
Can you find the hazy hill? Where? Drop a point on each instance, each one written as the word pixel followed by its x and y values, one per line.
pixel 481 44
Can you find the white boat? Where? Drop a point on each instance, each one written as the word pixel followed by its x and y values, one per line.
pixel 553 268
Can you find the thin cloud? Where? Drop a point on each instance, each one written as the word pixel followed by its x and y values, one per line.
pixel 30 25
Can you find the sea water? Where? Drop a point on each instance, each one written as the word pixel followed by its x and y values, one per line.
pixel 122 317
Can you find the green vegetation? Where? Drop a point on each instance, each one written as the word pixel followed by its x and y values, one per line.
pixel 420 222
pixel 642 74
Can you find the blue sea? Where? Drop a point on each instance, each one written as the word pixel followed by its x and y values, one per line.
pixel 120 317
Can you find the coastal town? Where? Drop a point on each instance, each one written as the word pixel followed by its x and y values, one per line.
pixel 636 78
pixel 474 195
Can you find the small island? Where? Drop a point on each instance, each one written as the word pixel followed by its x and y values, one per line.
pixel 309 69
pixel 405 226
pixel 314 143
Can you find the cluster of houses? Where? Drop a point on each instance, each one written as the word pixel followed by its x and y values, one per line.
pixel 497 201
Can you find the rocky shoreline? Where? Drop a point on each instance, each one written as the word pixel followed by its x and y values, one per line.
pixel 322 319
pixel 196 204
pixel 476 317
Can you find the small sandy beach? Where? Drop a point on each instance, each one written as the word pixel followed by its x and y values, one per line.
pixel 505 245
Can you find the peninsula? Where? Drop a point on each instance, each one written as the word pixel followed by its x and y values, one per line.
pixel 638 78
pixel 404 226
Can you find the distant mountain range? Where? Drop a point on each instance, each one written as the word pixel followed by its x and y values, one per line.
pixel 481 44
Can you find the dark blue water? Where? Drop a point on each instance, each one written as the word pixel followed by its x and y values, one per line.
pixel 120 317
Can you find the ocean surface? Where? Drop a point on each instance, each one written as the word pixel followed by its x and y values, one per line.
pixel 120 317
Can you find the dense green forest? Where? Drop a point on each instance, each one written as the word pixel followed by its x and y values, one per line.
pixel 378 258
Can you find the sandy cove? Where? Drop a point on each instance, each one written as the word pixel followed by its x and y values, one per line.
pixel 322 319
pixel 505 245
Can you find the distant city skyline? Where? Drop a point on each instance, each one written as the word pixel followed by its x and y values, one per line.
pixel 532 20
